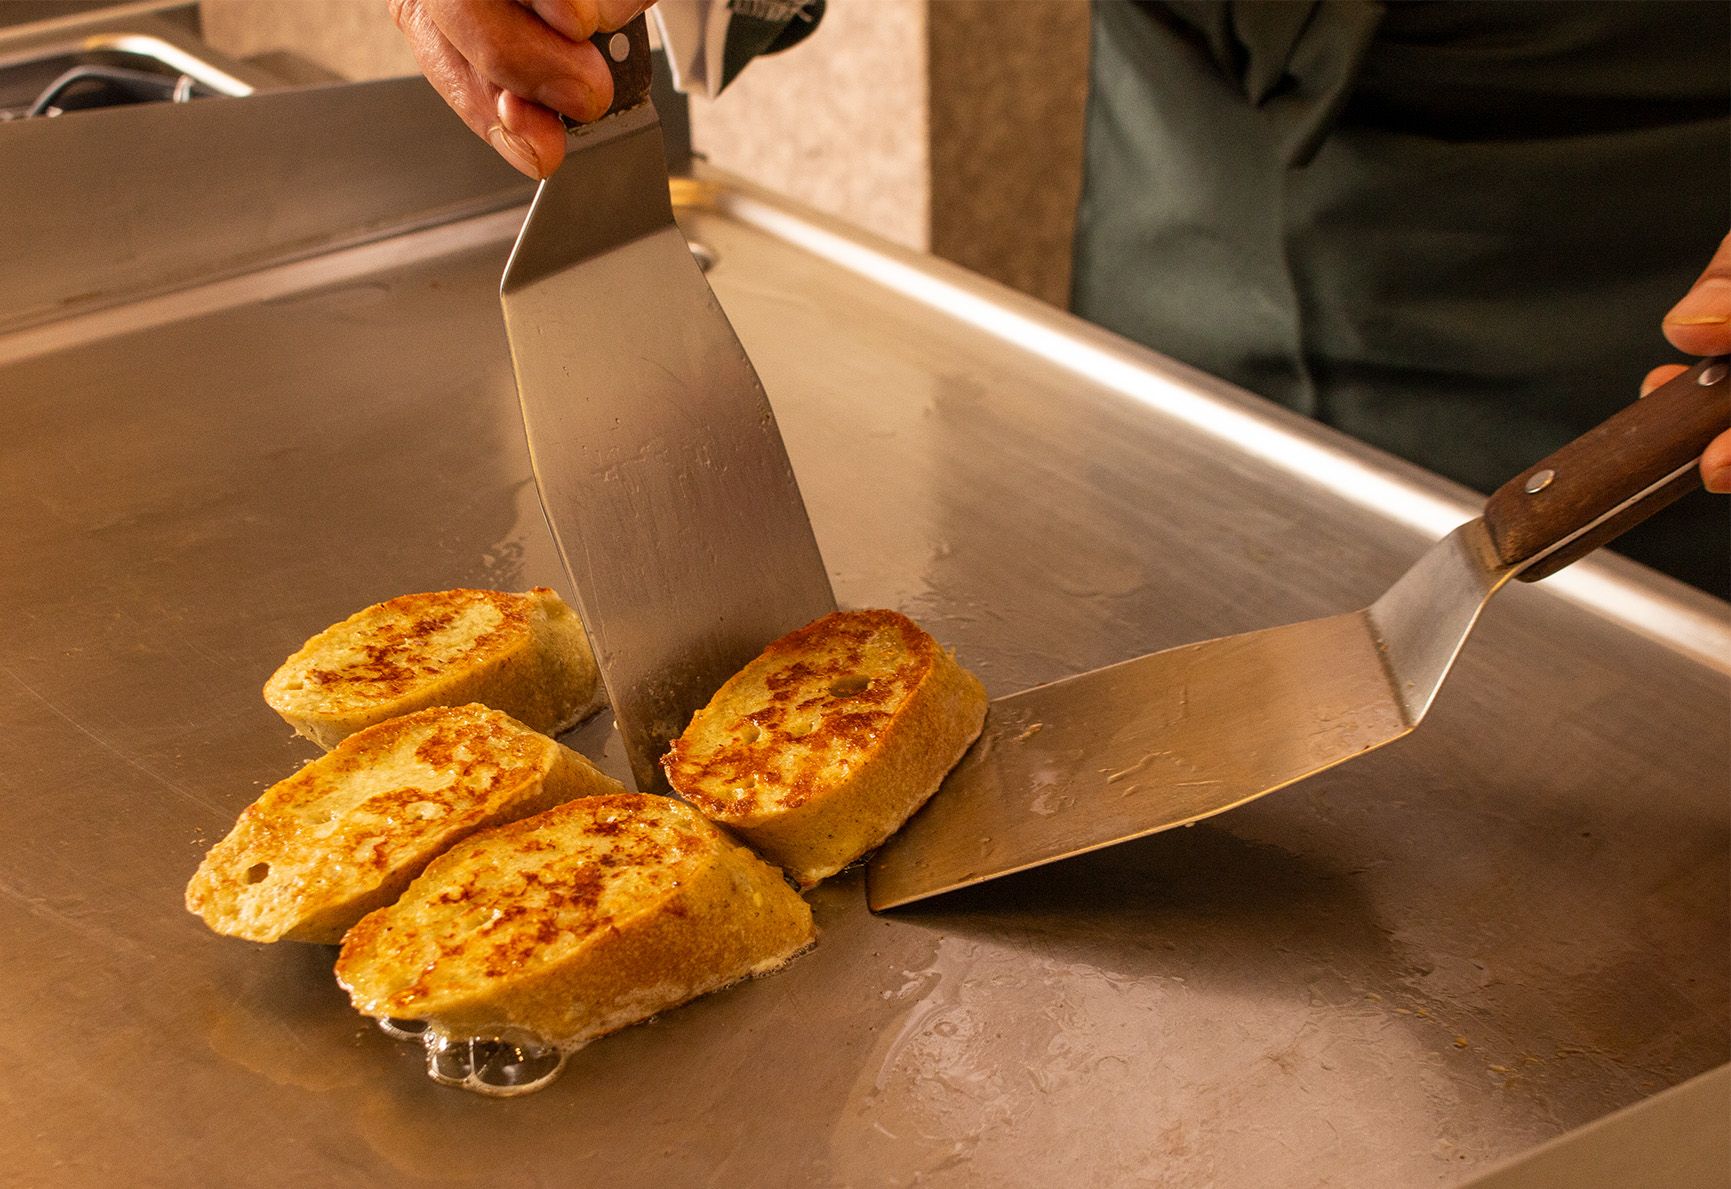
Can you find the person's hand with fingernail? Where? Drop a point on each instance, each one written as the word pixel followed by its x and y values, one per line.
pixel 1701 325
pixel 510 68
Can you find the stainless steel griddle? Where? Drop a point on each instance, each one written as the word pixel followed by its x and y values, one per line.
pixel 255 378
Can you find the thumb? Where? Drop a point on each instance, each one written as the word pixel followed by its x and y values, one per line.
pixel 1700 324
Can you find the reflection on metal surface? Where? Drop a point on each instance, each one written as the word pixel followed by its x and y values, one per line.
pixel 692 192
pixel 1701 628
pixel 267 284
pixel 1165 387
pixel 1695 625
pixel 948 1095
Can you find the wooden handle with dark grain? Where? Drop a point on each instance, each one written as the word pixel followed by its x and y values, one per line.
pixel 626 52
pixel 1613 476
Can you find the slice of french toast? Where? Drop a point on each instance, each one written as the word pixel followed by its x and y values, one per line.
pixel 347 833
pixel 573 923
pixel 823 746
pixel 525 654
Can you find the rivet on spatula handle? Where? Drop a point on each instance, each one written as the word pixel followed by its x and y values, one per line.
pixel 626 52
pixel 1612 477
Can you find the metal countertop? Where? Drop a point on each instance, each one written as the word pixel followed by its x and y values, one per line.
pixel 1400 972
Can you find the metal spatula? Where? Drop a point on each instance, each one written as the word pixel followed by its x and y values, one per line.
pixel 658 460
pixel 1176 736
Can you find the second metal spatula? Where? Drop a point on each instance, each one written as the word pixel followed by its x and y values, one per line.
pixel 658 460
pixel 1176 736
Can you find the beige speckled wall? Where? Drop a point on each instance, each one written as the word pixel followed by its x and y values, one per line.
pixel 951 126
pixel 1009 86
pixel 839 121
pixel 355 39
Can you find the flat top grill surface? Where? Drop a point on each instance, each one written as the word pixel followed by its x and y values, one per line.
pixel 1496 930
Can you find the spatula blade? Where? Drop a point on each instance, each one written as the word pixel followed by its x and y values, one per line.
pixel 659 463
pixel 1156 742
pixel 1167 739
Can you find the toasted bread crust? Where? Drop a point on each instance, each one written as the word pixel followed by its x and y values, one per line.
pixel 524 654
pixel 573 923
pixel 822 747
pixel 347 833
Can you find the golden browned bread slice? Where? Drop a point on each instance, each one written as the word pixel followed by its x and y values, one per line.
pixel 347 833
pixel 525 654
pixel 822 747
pixel 573 923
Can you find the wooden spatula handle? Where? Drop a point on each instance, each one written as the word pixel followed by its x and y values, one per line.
pixel 1613 476
pixel 626 52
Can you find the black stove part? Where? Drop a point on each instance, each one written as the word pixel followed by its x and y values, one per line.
pixel 90 86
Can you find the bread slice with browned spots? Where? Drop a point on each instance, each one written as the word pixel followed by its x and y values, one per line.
pixel 823 746
pixel 347 833
pixel 573 923
pixel 525 654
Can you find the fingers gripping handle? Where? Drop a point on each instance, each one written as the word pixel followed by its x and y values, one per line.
pixel 626 52
pixel 1613 476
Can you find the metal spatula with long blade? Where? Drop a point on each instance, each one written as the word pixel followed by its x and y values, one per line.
pixel 1167 739
pixel 658 460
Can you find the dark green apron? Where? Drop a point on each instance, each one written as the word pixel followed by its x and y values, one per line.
pixel 1450 229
